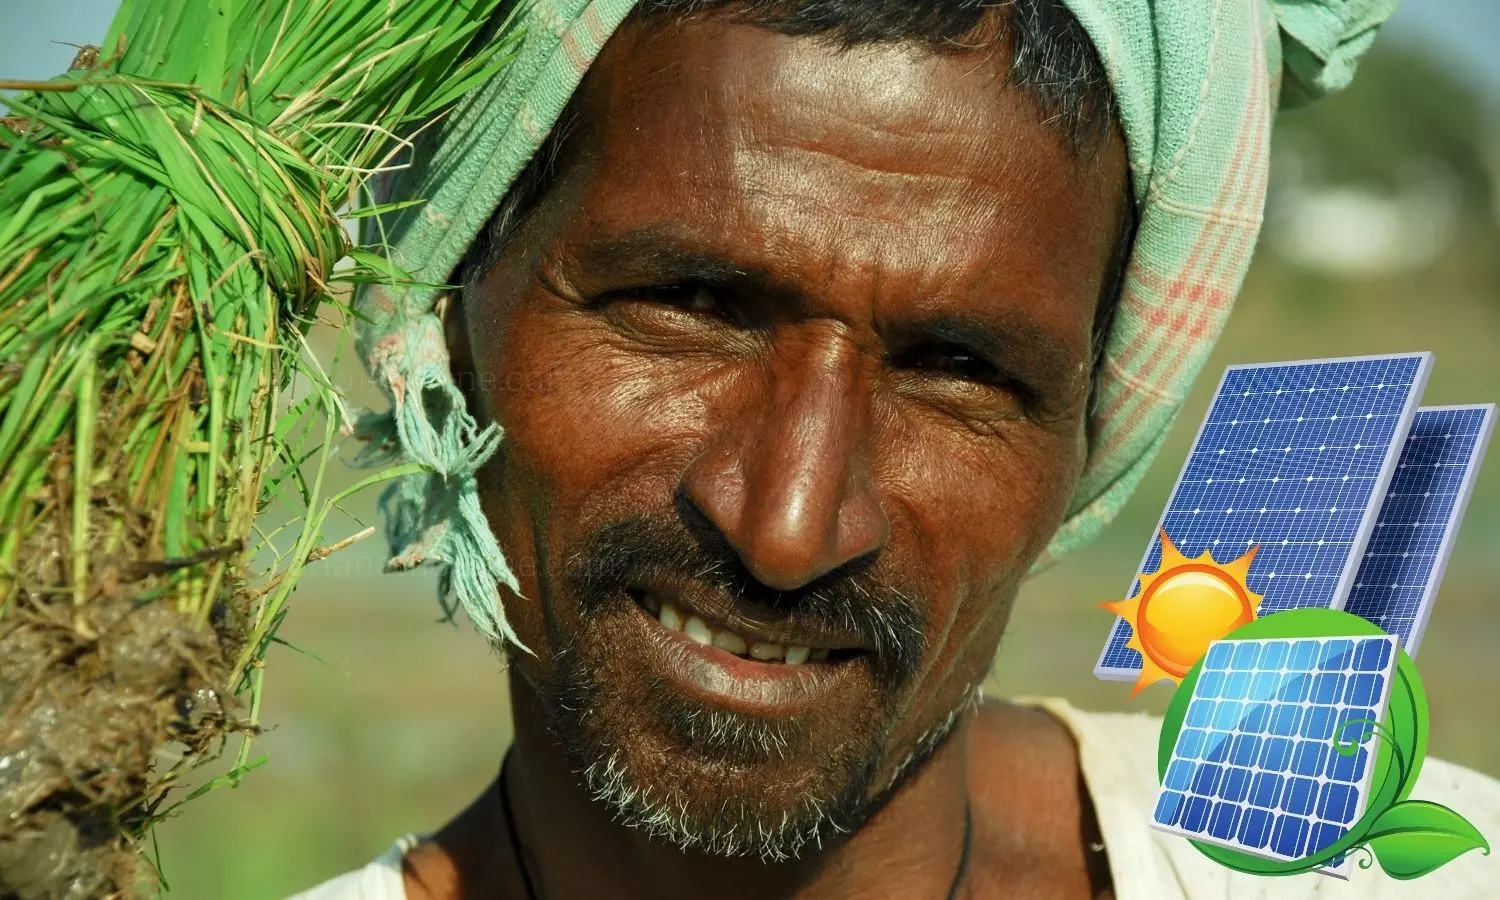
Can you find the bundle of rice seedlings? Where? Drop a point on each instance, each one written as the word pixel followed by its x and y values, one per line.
pixel 169 230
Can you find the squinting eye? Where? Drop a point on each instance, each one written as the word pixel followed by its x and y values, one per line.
pixel 700 299
pixel 952 361
pixel 689 297
pixel 705 305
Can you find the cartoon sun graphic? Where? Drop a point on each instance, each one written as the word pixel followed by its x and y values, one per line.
pixel 1182 607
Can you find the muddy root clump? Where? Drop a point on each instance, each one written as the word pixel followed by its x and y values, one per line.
pixel 102 706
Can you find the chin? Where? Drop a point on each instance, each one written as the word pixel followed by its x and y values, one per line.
pixel 712 753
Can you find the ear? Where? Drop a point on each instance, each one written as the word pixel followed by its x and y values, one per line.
pixel 450 308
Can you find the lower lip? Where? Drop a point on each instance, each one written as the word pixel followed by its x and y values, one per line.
pixel 723 679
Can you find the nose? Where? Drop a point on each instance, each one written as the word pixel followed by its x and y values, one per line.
pixel 788 483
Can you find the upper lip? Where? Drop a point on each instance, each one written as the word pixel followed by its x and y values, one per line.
pixel 785 627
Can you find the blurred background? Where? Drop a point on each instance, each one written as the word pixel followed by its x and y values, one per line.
pixel 1382 234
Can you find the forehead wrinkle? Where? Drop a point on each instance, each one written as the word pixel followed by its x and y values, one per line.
pixel 804 179
pixel 794 96
pixel 883 111
pixel 975 161
pixel 962 177
pixel 793 204
pixel 895 83
pixel 968 183
pixel 749 175
pixel 842 259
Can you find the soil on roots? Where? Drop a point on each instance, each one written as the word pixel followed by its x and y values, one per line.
pixel 98 702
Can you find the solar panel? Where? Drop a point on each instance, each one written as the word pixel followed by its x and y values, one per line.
pixel 1255 767
pixel 1414 532
pixel 1293 457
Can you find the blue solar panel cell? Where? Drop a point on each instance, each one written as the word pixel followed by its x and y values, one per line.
pixel 1318 723
pixel 1265 790
pixel 1286 778
pixel 1257 719
pixel 1255 828
pixel 1300 792
pixel 1168 807
pixel 1419 518
pixel 1293 458
pixel 1337 802
pixel 1286 719
pixel 1195 816
pixel 1236 784
pixel 1349 769
pixel 1225 817
pixel 1289 837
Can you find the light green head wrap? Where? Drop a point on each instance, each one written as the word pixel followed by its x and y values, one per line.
pixel 1198 83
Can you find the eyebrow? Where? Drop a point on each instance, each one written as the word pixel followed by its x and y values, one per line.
pixel 660 253
pixel 654 253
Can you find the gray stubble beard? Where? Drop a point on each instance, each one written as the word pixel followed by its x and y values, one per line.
pixel 739 829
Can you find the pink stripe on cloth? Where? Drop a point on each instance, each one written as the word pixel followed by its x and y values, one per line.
pixel 1168 349
pixel 1190 284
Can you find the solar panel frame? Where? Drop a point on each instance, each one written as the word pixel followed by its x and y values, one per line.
pixel 1229 762
pixel 1119 630
pixel 1465 489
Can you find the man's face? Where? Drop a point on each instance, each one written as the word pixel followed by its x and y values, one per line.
pixel 793 358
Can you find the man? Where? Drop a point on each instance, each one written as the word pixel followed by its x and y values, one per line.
pixel 804 328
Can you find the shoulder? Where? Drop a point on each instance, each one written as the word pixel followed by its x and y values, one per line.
pixel 380 880
pixel 1023 768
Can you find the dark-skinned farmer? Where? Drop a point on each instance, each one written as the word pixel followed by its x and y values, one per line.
pixel 792 336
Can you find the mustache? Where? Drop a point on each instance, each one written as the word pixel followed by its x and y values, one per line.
pixel 892 621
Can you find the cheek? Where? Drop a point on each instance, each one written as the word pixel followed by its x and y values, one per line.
pixel 592 431
pixel 980 510
pixel 983 506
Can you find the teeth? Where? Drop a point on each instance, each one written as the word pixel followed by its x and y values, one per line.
pixel 697 630
pixel 730 641
pixel 765 652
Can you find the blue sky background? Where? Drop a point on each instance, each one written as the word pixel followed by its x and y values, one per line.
pixel 1467 31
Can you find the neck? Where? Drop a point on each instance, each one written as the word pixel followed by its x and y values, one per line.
pixel 911 847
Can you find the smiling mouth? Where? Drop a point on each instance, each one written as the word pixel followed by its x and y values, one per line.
pixel 706 634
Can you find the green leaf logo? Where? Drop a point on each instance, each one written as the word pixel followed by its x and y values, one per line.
pixel 1415 837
